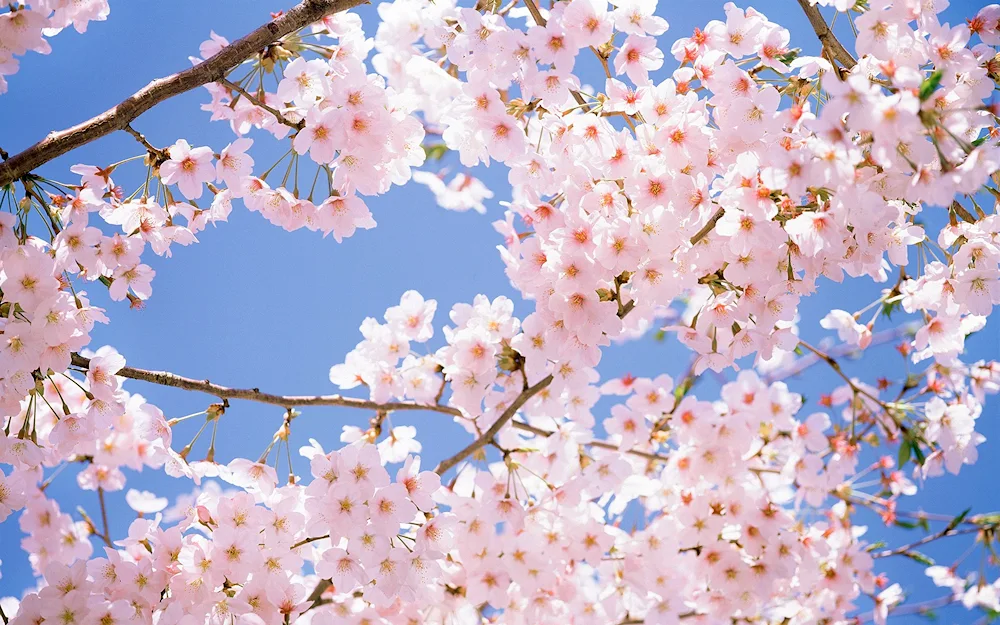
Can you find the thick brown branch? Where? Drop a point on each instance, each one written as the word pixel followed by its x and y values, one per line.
pixel 488 435
pixel 211 70
pixel 164 378
pixel 826 37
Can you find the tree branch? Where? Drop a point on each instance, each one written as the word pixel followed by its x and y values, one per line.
pixel 316 596
pixel 104 516
pixel 915 608
pixel 211 70
pixel 826 36
pixel 164 378
pixel 521 425
pixel 835 365
pixel 156 152
pixel 488 435
pixel 948 531
pixel 845 349
pixel 709 226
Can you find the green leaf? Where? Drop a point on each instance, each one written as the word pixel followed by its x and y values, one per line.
pixel 683 388
pixel 930 85
pixel 904 454
pixel 917 452
pixel 435 151
pixel 789 56
pixel 990 518
pixel 958 520
pixel 889 307
pixel 919 557
pixel 906 525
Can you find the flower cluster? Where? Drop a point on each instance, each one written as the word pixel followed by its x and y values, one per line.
pixel 383 362
pixel 362 137
pixel 44 320
pixel 92 418
pixel 241 556
pixel 727 174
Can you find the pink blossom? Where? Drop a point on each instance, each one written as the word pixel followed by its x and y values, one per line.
pixel 189 168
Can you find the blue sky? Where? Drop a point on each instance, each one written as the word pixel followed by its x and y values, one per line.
pixel 253 305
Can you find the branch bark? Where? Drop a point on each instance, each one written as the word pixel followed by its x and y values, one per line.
pixel 709 226
pixel 164 378
pixel 926 539
pixel 826 36
pixel 488 435
pixel 211 70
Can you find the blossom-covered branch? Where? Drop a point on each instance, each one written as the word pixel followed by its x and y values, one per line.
pixel 57 143
pixel 164 378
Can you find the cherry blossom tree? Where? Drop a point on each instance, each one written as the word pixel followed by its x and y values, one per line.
pixel 701 189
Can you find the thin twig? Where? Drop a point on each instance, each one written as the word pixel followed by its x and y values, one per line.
pixel 902 550
pixel 104 517
pixel 256 102
pixel 708 226
pixel 804 362
pixel 915 608
pixel 306 541
pixel 155 151
pixel 520 425
pixel 830 360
